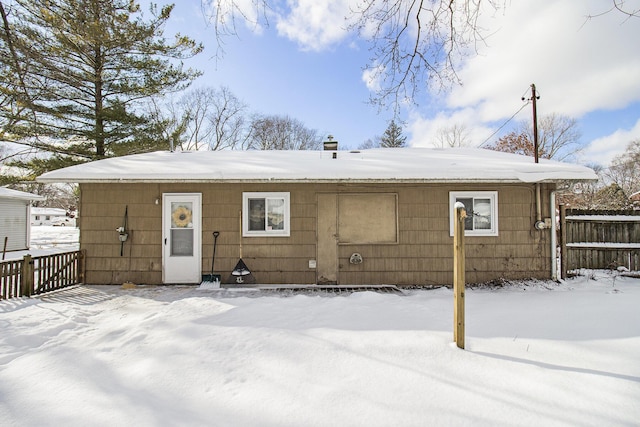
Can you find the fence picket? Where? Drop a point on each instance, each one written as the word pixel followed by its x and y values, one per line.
pixel 48 273
pixel 601 239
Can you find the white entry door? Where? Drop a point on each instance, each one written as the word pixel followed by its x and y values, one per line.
pixel 181 231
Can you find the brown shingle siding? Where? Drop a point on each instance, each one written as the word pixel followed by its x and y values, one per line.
pixel 422 255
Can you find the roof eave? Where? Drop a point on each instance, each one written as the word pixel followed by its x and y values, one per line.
pixel 306 181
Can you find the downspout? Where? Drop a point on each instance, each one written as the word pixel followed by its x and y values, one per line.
pixel 554 258
pixel 551 225
pixel 539 223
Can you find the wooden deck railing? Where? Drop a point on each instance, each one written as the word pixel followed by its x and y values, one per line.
pixel 36 275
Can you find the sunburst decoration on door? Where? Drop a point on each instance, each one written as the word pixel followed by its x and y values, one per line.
pixel 181 215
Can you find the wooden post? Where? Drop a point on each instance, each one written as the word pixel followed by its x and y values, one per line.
pixel 26 276
pixel 458 274
pixel 563 242
pixel 82 266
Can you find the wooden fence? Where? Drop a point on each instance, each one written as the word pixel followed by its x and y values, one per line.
pixel 599 239
pixel 36 275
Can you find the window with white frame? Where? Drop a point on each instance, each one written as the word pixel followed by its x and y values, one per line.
pixel 482 212
pixel 265 214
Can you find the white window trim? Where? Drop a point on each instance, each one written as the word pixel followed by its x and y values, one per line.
pixel 492 195
pixel 265 233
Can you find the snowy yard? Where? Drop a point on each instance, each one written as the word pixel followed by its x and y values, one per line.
pixel 47 239
pixel 537 354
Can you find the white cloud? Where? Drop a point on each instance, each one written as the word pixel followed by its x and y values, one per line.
pixel 315 25
pixel 228 12
pixel 425 131
pixel 372 77
pixel 603 150
pixel 579 65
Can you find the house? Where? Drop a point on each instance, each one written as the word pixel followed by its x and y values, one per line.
pixel 48 216
pixel 379 216
pixel 15 228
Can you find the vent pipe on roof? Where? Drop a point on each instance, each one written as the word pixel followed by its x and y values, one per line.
pixel 330 144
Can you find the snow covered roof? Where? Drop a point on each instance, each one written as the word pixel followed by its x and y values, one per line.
pixel 48 211
pixel 20 195
pixel 374 165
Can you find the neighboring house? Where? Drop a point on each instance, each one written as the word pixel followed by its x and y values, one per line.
pixel 380 216
pixel 48 216
pixel 635 197
pixel 64 222
pixel 15 229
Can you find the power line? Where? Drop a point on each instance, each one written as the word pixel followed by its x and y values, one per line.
pixel 505 123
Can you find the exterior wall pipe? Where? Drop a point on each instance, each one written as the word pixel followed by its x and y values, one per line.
pixel 554 258
pixel 539 223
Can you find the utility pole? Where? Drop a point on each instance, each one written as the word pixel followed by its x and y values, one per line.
pixel 534 97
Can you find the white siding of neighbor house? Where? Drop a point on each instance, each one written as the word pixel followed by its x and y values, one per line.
pixel 13 224
pixel 46 216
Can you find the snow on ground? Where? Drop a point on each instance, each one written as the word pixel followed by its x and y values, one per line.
pixel 537 353
pixel 47 239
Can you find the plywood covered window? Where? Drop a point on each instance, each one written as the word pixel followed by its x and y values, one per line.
pixel 482 212
pixel 265 214
pixel 368 218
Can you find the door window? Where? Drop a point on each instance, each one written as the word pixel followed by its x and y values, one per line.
pixel 181 229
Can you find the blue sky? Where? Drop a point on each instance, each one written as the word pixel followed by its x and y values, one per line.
pixel 305 65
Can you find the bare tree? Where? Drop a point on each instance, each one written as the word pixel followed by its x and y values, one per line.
pixel 612 197
pixel 456 135
pixel 625 169
pixel 418 42
pixel 516 143
pixel 582 195
pixel 374 142
pixel 63 196
pixel 558 138
pixel 622 6
pixel 227 15
pixel 214 118
pixel 202 119
pixel 412 43
pixel 282 133
pixel 614 187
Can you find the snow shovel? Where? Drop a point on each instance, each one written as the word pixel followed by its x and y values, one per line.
pixel 241 275
pixel 213 279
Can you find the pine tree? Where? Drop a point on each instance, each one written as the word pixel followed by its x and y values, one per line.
pixel 392 136
pixel 74 75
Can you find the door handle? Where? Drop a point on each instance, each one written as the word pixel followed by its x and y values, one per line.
pixel 165 240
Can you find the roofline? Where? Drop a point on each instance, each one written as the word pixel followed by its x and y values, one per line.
pixel 32 198
pixel 304 181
